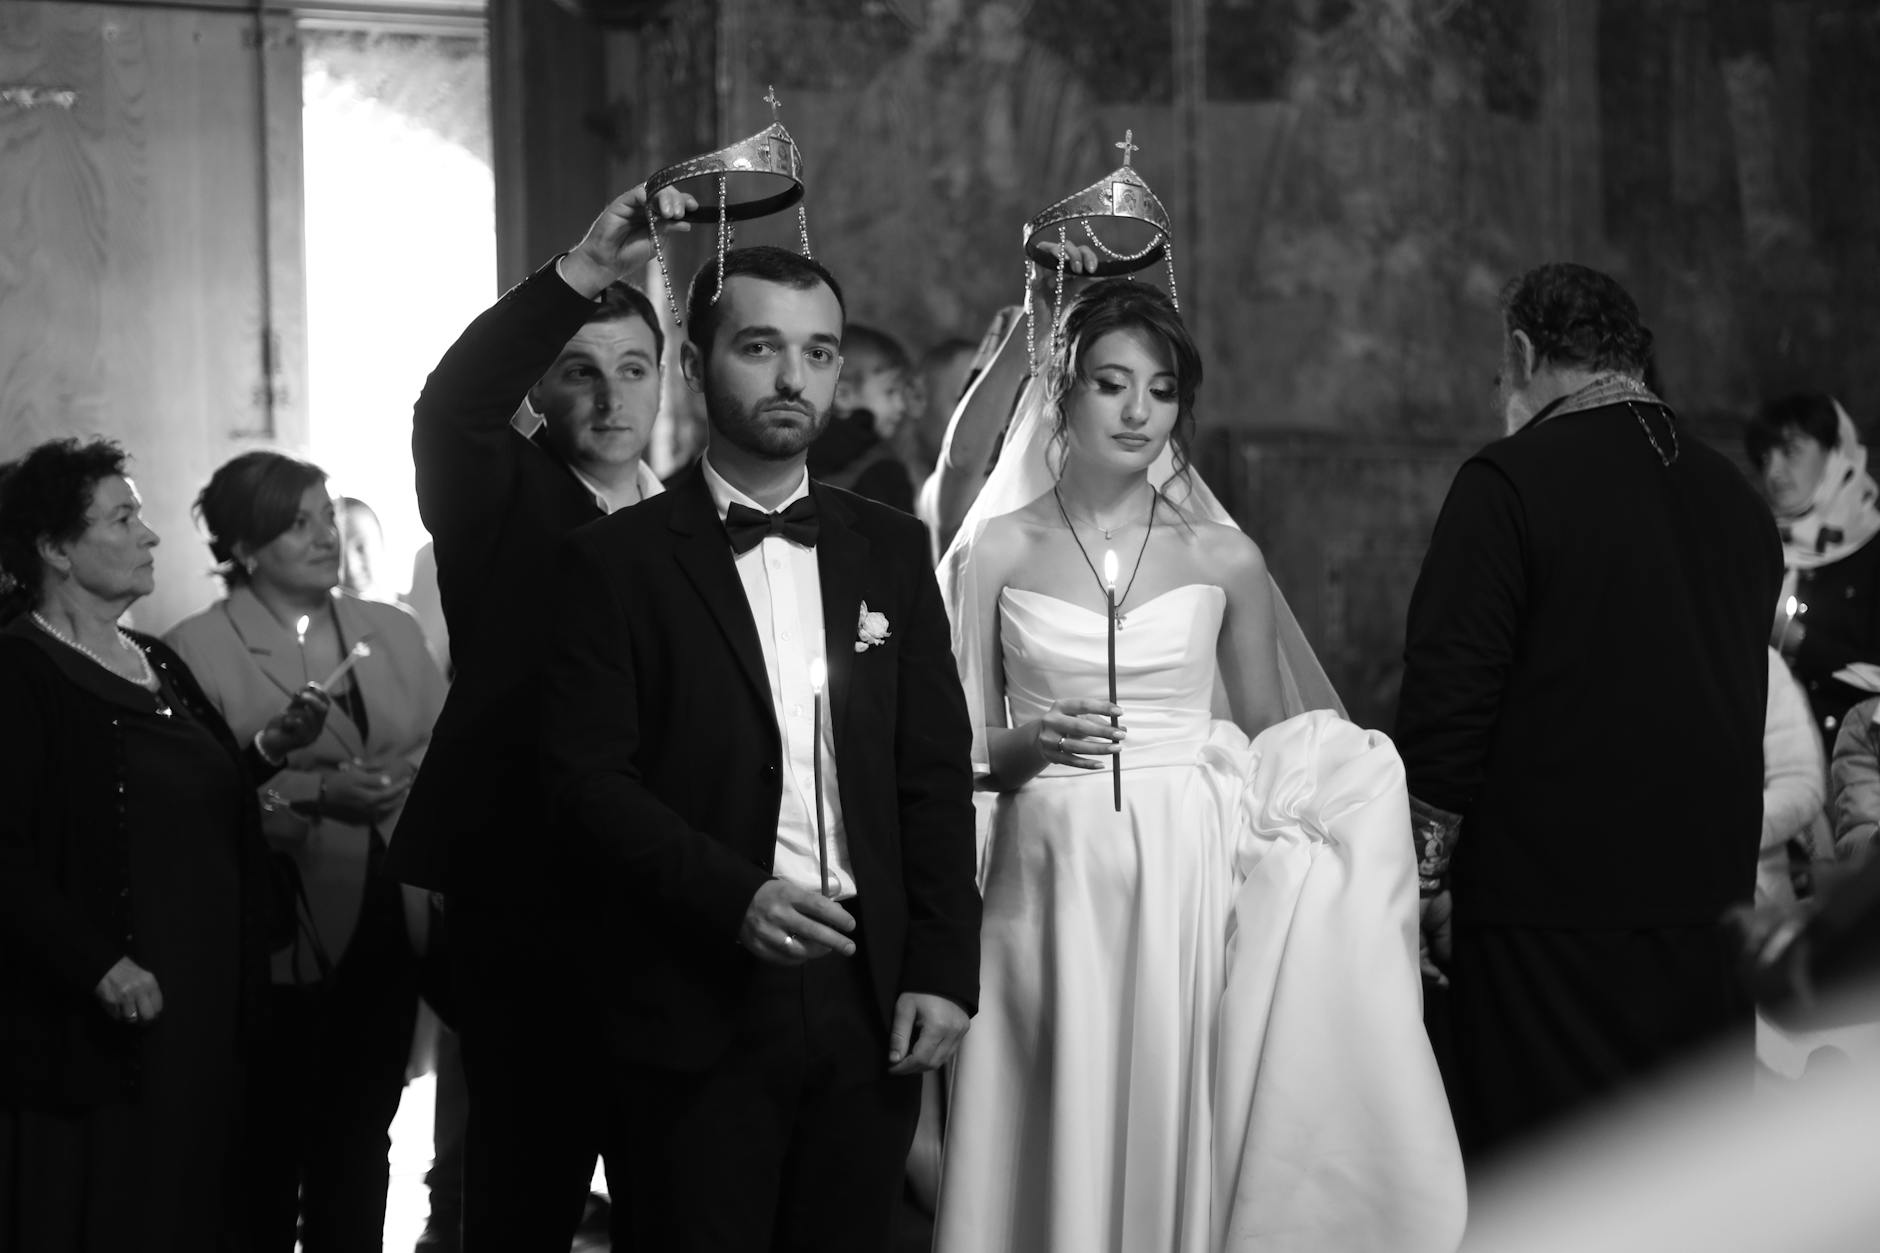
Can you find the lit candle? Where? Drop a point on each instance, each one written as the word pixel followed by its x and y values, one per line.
pixel 300 634
pixel 1109 593
pixel 1794 608
pixel 817 673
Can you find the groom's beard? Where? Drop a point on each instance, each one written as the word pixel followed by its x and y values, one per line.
pixel 777 427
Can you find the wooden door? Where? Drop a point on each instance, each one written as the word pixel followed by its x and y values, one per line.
pixel 151 284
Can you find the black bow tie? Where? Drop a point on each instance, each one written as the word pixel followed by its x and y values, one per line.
pixel 796 522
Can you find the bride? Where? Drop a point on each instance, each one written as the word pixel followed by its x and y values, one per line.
pixel 1200 1018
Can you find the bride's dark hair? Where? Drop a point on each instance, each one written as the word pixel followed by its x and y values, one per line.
pixel 1116 304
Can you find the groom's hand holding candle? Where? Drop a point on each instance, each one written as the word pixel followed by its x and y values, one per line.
pixel 788 925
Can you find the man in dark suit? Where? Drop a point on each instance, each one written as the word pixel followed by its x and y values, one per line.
pixel 792 920
pixel 1583 706
pixel 584 349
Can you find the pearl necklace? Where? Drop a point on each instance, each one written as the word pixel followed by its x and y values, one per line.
pixel 149 679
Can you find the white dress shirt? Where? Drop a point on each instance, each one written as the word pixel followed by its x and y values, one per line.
pixel 644 479
pixel 782 582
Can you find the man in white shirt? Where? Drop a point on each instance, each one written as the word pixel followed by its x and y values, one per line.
pixel 755 736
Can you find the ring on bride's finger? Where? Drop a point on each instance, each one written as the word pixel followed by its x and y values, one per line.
pixel 1060 744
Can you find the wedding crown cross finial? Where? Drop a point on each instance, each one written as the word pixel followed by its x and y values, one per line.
pixel 1129 145
pixel 770 98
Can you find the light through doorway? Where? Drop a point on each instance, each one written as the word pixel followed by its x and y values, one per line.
pixel 401 248
pixel 400 230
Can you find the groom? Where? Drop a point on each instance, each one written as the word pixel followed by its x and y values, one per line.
pixel 778 977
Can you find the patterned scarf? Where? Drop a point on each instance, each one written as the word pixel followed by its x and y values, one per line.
pixel 1844 512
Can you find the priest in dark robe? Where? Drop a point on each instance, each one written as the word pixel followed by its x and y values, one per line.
pixel 1581 720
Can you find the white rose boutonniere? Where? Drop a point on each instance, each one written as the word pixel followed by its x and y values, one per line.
pixel 871 629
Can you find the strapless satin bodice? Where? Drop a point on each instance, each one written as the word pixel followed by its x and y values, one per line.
pixel 1165 661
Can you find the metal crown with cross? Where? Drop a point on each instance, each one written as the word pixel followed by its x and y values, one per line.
pixel 1122 197
pixel 755 177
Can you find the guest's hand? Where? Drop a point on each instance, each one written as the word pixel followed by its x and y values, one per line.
pixel 363 794
pixel 129 993
pixel 1080 268
pixel 1071 731
pixel 618 243
pixel 786 925
pixel 299 724
pixel 935 1026
pixel 1434 938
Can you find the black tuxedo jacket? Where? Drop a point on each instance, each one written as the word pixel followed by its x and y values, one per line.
pixel 496 505
pixel 664 761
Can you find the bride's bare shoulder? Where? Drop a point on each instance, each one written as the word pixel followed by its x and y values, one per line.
pixel 1021 528
pixel 1228 549
pixel 1006 543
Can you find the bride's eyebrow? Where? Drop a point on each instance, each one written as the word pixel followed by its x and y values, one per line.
pixel 1170 375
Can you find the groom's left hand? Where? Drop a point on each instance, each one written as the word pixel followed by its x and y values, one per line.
pixel 933 1023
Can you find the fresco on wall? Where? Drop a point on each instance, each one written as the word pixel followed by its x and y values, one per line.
pixel 935 129
pixel 1353 182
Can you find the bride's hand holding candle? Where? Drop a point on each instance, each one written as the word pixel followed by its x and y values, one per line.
pixel 1075 733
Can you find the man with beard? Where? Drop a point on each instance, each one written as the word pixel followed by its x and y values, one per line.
pixel 1581 721
pixel 792 925
pixel 583 349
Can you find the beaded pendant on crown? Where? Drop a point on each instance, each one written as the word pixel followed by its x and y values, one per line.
pixel 753 178
pixel 1119 217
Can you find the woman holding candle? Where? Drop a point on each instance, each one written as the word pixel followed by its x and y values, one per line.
pixel 328 1078
pixel 1812 469
pixel 137 899
pixel 1200 1022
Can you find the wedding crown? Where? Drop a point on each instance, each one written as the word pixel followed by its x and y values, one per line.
pixel 752 178
pixel 1123 198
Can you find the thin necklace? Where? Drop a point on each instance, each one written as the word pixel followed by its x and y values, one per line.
pixel 1117 609
pixel 149 679
pixel 1098 526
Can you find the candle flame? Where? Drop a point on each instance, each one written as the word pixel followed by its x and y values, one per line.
pixel 1791 607
pixel 300 627
pixel 817 673
pixel 1109 567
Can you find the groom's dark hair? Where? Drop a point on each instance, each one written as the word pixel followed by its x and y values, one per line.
pixel 772 265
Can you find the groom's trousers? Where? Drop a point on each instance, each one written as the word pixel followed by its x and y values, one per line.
pixel 796 1139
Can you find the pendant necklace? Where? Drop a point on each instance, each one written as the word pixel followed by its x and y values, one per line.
pixel 1154 497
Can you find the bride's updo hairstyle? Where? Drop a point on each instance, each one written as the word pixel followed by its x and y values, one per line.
pixel 1120 304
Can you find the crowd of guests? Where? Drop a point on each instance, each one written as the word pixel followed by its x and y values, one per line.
pixel 214 941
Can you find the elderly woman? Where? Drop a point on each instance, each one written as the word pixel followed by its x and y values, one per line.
pixel 137 906
pixel 1813 471
pixel 329 1074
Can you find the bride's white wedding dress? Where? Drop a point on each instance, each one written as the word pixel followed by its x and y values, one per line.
pixel 1200 1018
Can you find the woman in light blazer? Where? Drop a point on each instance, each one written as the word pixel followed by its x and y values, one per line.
pixel 331 1068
